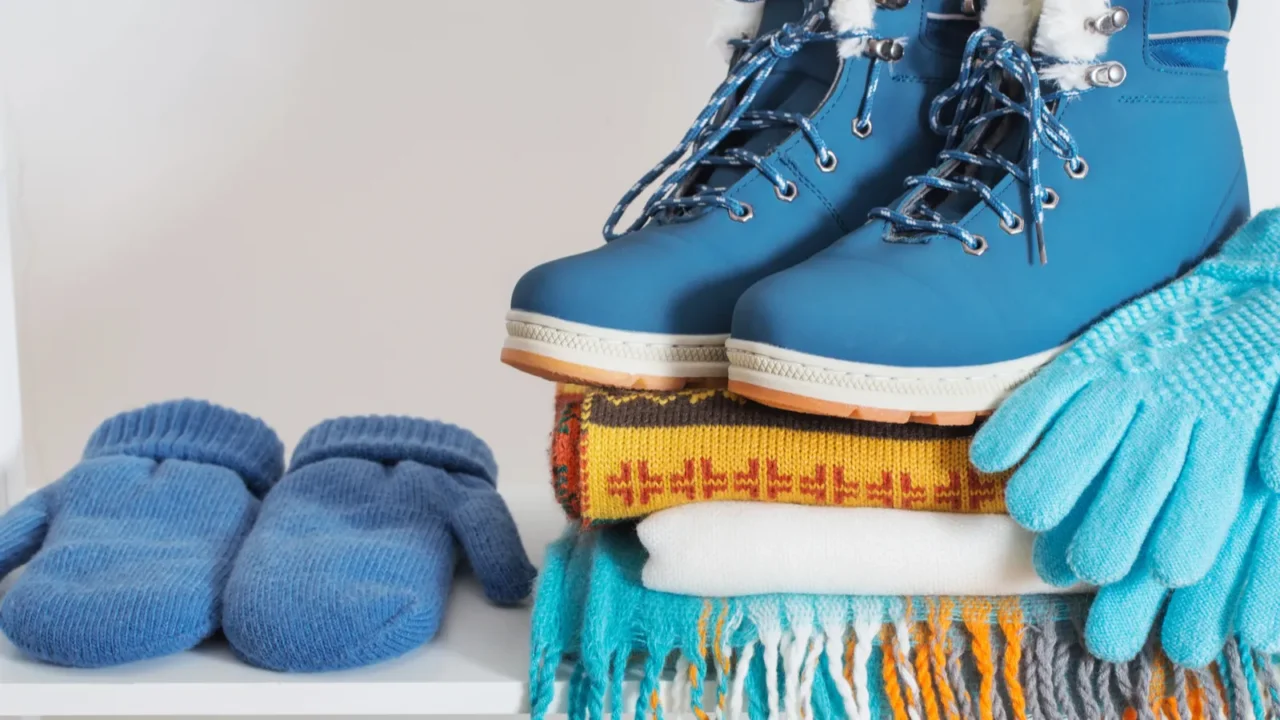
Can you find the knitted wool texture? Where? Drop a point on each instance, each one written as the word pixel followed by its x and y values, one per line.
pixel 130 550
pixel 353 555
pixel 1161 405
pixel 1240 595
pixel 621 455
pixel 812 656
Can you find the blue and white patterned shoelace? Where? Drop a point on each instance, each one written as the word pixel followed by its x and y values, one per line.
pixel 989 60
pixel 757 60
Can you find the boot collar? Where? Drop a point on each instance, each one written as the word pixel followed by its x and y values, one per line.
pixel 740 19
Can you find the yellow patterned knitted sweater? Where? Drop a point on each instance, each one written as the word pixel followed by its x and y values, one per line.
pixel 620 455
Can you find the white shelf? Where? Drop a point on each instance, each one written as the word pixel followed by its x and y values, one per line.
pixel 477 665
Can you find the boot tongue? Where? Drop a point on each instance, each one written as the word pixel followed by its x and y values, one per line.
pixel 1007 138
pixel 798 84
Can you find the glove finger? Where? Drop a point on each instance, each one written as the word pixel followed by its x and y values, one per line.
pixel 488 535
pixel 1050 552
pixel 1049 557
pixel 1269 452
pixel 1203 506
pixel 1012 431
pixel 1123 614
pixel 1133 490
pixel 1069 458
pixel 1259 622
pixel 1199 619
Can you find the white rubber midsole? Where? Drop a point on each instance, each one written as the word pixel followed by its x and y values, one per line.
pixel 636 353
pixel 978 388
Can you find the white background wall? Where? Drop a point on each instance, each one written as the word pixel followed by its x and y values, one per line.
pixel 304 208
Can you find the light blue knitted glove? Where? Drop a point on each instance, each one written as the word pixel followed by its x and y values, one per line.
pixel 1241 594
pixel 1162 405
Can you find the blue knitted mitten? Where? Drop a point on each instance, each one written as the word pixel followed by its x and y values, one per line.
pixel 130 550
pixel 353 555
pixel 1170 395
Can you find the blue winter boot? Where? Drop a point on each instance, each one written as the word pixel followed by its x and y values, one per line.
pixel 1101 164
pixel 821 115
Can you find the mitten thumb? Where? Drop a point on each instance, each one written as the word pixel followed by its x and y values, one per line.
pixel 22 531
pixel 484 527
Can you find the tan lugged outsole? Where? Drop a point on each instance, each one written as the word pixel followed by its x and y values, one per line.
pixel 567 372
pixel 812 406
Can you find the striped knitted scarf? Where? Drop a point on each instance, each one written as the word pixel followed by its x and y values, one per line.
pixel 798 656
pixel 620 455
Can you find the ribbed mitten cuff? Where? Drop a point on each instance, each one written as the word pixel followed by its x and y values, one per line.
pixel 196 431
pixel 392 439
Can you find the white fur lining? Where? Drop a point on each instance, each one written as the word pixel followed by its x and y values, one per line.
pixel 852 16
pixel 1068 76
pixel 1014 18
pixel 1064 34
pixel 741 19
pixel 735 20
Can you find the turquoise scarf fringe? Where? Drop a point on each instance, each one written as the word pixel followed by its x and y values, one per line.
pixel 861 658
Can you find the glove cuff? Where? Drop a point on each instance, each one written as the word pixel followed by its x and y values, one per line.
pixel 392 439
pixel 196 431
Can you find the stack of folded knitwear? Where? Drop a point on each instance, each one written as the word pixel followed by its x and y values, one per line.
pixel 748 562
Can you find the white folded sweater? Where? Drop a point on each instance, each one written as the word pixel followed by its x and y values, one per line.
pixel 730 549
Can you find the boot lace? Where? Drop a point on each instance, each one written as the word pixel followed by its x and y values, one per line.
pixel 990 60
pixel 701 145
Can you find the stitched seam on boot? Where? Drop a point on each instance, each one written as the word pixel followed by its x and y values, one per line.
pixel 616 348
pixel 807 372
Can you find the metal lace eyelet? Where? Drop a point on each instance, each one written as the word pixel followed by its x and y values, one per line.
pixel 1077 168
pixel 970 8
pixel 892 4
pixel 1109 23
pixel 748 212
pixel 827 164
pixel 886 49
pixel 1051 199
pixel 788 194
pixel 979 246
pixel 1016 228
pixel 861 130
pixel 1108 74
